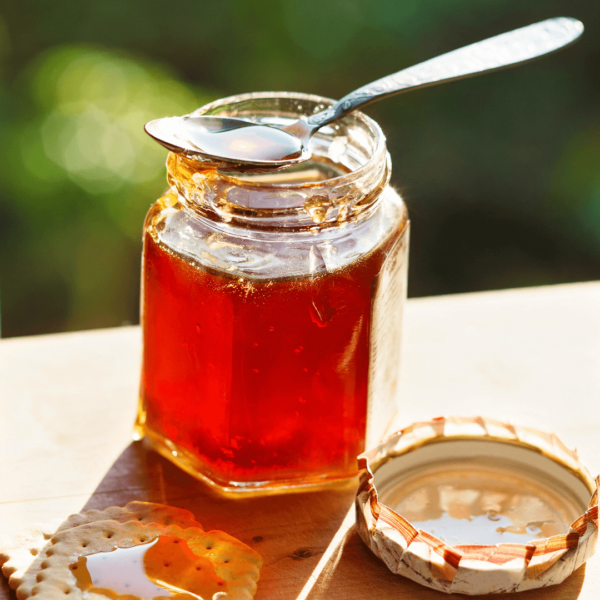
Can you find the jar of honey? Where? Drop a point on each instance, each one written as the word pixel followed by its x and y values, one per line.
pixel 272 305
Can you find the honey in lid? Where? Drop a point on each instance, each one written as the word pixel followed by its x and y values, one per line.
pixel 476 506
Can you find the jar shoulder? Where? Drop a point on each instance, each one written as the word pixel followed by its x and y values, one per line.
pixel 260 254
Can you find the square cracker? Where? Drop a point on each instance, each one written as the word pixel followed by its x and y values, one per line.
pixel 50 577
pixel 18 553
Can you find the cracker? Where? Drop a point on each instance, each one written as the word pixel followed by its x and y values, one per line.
pixel 50 577
pixel 17 554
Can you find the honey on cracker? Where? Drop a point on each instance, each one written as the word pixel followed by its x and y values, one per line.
pixel 164 568
pixel 142 550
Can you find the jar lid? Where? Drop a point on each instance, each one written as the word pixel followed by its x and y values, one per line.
pixel 472 505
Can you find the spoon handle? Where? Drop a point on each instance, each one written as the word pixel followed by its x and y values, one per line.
pixel 488 55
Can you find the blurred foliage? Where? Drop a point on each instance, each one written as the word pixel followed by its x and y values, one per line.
pixel 501 173
pixel 80 173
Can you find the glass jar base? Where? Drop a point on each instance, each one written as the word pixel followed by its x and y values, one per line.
pixel 199 470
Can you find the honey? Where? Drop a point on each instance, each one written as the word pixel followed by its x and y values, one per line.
pixel 271 309
pixel 287 361
pixel 163 568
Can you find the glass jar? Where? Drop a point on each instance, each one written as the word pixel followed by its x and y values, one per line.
pixel 272 305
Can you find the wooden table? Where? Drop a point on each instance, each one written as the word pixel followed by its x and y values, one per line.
pixel 67 403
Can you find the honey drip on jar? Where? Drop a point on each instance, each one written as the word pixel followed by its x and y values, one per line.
pixel 163 568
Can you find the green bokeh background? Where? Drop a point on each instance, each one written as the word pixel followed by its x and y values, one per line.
pixel 501 173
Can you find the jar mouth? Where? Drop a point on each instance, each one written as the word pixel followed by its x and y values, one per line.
pixel 256 106
pixel 342 182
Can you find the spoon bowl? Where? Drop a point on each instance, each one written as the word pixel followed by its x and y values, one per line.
pixel 228 139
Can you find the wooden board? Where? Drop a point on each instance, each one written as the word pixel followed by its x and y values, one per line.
pixel 67 403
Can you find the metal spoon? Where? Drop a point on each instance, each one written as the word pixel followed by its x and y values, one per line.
pixel 250 145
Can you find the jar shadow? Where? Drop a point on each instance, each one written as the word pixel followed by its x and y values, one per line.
pixel 290 531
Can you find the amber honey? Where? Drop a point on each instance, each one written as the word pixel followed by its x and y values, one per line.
pixel 256 378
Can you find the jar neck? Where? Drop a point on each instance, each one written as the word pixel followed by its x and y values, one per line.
pixel 318 194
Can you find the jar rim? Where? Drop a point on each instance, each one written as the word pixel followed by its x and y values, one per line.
pixel 379 151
